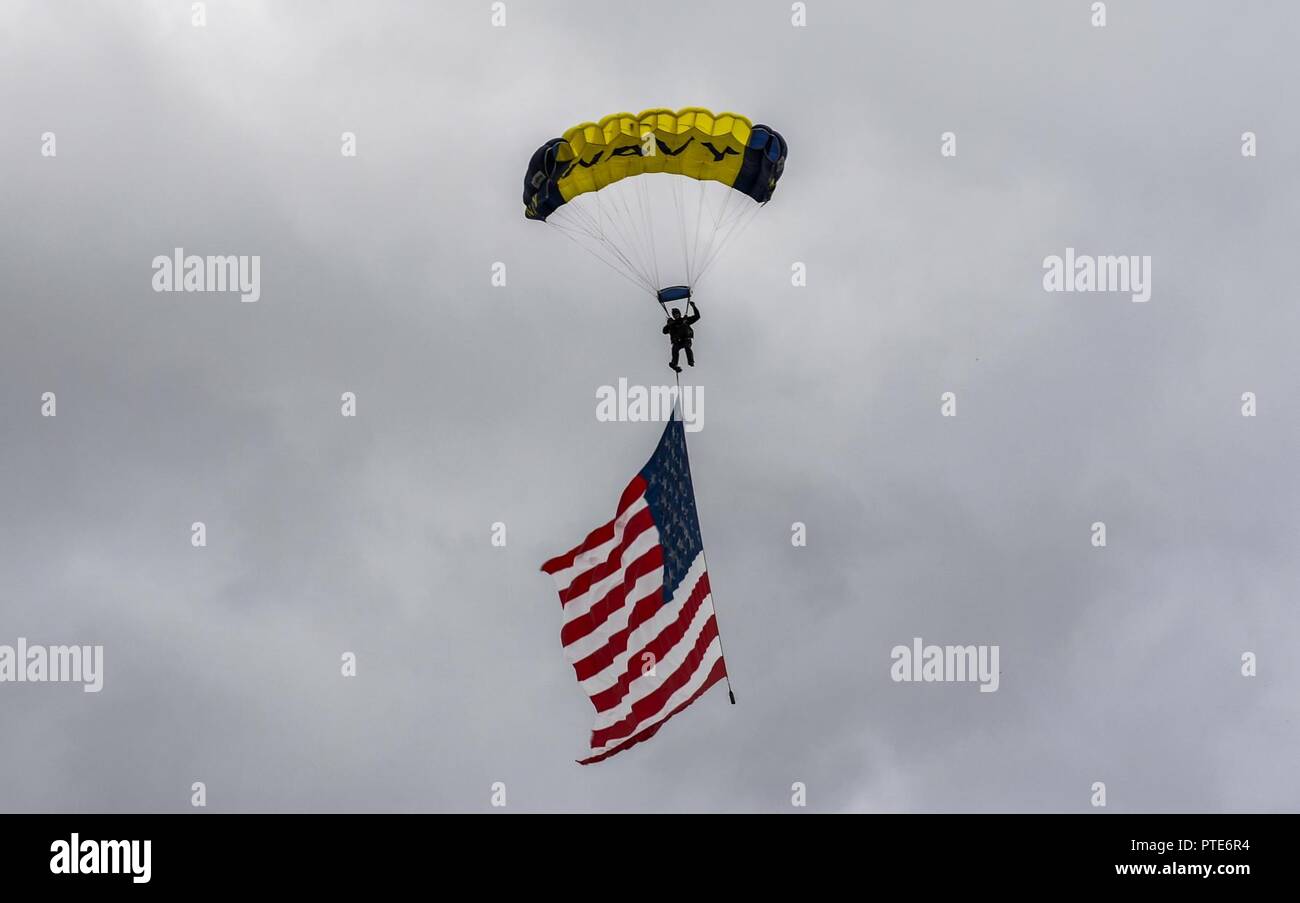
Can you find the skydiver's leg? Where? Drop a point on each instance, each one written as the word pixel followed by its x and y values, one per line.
pixel 676 350
pixel 690 355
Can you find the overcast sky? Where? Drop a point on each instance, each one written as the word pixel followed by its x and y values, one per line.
pixel 822 405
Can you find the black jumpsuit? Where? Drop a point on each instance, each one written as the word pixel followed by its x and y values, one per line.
pixel 680 333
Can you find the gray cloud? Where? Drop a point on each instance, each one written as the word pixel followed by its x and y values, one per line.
pixel 476 405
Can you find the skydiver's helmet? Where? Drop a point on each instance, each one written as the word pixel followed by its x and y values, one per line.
pixel 677 314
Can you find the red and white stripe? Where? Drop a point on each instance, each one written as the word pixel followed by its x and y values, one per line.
pixel 611 591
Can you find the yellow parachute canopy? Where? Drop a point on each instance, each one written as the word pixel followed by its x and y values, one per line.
pixel 692 142
pixel 655 195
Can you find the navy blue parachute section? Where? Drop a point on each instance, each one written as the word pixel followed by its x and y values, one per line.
pixel 763 164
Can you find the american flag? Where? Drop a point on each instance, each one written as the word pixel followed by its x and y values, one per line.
pixel 638 622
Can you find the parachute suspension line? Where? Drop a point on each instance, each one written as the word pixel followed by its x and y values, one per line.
pixel 718 218
pixel 739 224
pixel 627 248
pixel 701 197
pixel 637 244
pixel 627 270
pixel 648 221
pixel 628 236
pixel 681 218
pixel 585 222
pixel 576 219
pixel 715 217
pixel 572 235
pixel 643 228
pixel 721 651
pixel 701 200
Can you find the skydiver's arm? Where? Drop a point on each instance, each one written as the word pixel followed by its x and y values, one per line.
pixel 695 317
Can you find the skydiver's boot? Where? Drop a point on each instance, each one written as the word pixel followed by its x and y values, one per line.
pixel 676 369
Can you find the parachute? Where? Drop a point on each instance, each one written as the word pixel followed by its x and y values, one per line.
pixel 658 195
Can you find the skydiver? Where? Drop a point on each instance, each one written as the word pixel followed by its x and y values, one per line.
pixel 678 329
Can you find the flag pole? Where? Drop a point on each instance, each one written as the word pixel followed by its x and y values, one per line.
pixel 721 651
